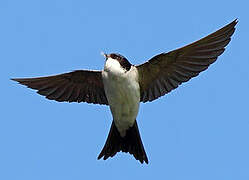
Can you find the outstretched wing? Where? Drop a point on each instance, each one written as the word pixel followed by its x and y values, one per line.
pixel 167 71
pixel 76 86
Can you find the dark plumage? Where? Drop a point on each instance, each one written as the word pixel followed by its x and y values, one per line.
pixel 166 71
pixel 131 143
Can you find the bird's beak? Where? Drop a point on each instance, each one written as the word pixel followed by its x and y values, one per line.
pixel 104 54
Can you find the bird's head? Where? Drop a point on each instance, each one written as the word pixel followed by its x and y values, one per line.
pixel 124 63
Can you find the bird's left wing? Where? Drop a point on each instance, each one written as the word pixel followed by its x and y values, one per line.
pixel 167 71
pixel 76 86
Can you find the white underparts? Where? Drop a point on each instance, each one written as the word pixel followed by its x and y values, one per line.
pixel 123 94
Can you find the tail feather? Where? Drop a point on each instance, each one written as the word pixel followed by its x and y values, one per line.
pixel 131 143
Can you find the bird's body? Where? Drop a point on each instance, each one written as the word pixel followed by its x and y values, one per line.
pixel 123 86
pixel 123 93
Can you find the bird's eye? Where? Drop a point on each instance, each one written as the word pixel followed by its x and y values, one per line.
pixel 113 56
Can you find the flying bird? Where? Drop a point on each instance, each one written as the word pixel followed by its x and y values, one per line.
pixel 123 86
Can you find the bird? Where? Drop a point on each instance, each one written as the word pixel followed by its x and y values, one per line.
pixel 123 86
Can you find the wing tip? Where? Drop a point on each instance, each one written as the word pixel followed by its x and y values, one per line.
pixel 233 24
pixel 22 81
pixel 16 80
pixel 13 79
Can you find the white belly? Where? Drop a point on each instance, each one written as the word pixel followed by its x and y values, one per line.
pixel 123 94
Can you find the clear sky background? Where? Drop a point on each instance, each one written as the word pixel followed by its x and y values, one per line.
pixel 198 131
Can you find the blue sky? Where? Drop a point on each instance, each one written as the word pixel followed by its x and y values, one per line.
pixel 198 131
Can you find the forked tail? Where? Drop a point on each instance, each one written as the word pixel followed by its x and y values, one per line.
pixel 131 143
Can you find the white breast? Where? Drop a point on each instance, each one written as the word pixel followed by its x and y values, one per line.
pixel 123 94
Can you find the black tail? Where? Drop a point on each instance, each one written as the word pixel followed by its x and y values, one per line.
pixel 131 143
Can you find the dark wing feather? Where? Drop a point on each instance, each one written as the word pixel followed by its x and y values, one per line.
pixel 167 71
pixel 76 86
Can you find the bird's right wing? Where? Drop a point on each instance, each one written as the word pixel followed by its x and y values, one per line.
pixel 76 86
pixel 167 71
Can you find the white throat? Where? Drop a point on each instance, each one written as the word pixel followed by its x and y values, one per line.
pixel 113 66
